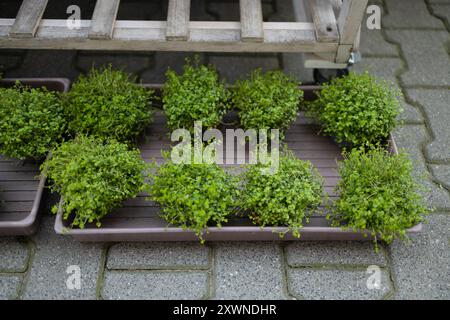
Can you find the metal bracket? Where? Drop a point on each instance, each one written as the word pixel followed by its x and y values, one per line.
pixel 355 57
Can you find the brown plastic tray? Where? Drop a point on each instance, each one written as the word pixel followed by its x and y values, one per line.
pixel 21 188
pixel 138 219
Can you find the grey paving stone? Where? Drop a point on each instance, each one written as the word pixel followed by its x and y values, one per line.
pixel 14 255
pixel 130 62
pixel 442 10
pixel 237 66
pixel 335 253
pixel 155 285
pixel 249 270
pixel 422 267
pixel 426 56
pixel 372 42
pixel 410 114
pixel 46 63
pixel 386 68
pixel 409 14
pixel 54 254
pixel 158 255
pixel 410 138
pixel 316 284
pixel 436 104
pixel 9 287
pixel 441 173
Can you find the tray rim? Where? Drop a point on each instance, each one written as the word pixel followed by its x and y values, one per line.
pixel 27 225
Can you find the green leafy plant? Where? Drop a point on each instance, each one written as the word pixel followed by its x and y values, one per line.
pixel 108 104
pixel 378 194
pixel 267 101
pixel 358 109
pixel 284 198
pixel 31 122
pixel 93 177
pixel 194 196
pixel 195 95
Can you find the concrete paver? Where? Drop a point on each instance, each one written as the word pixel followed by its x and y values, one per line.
pixel 249 271
pixel 337 284
pixel 409 14
pixel 158 255
pixel 9 287
pixel 335 253
pixel 427 59
pixel 14 255
pixel 436 105
pixel 421 268
pixel 57 262
pixel 131 285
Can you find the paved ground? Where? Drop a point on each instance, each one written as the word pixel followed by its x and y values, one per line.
pixel 412 49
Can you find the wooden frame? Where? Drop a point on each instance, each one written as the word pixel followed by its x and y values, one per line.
pixel 330 37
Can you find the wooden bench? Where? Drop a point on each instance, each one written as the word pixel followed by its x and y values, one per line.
pixel 327 31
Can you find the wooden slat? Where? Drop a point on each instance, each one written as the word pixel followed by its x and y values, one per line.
pixel 178 20
pixel 204 36
pixel 251 20
pixel 315 61
pixel 343 53
pixel 324 21
pixel 28 18
pixel 336 4
pixel 104 19
pixel 349 20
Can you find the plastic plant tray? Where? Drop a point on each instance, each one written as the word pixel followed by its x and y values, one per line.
pixel 21 188
pixel 138 219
